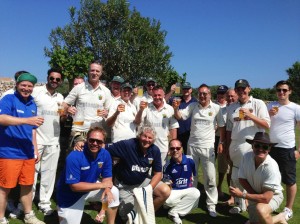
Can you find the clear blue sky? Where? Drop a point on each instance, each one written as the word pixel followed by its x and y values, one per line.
pixel 213 41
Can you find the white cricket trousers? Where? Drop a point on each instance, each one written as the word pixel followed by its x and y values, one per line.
pixel 182 201
pixel 207 158
pixel 46 167
pixel 237 150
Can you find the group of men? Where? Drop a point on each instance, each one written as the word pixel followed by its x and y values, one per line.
pixel 135 132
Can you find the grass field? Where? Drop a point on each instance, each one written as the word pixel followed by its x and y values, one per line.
pixel 198 215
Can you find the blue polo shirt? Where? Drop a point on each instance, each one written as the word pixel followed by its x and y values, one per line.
pixel 81 167
pixel 184 125
pixel 181 174
pixel 134 165
pixel 16 140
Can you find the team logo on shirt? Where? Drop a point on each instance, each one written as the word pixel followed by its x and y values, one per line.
pixel 164 115
pixel 185 167
pixel 71 177
pixel 100 97
pixel 210 113
pixel 150 160
pixel 100 164
pixel 33 112
pixel 174 171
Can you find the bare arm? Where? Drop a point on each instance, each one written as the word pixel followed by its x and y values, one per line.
pixel 138 116
pixel 86 187
pixel 258 121
pixel 112 119
pixel 173 133
pixel 155 179
pixel 169 94
pixel 7 120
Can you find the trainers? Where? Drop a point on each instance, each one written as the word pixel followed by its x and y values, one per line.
pixel 176 219
pixel 212 211
pixel 30 218
pixel 17 212
pixel 288 213
pixel 47 210
pixel 4 221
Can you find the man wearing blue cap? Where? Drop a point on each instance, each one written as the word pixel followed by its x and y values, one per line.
pixel 18 121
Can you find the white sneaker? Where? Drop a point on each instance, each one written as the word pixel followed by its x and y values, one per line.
pixel 176 219
pixel 212 211
pixel 288 213
pixel 30 218
pixel 17 212
pixel 47 210
pixel 4 221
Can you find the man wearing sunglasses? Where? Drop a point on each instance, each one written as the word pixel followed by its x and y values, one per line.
pixel 260 177
pixel 48 101
pixel 284 117
pixel 244 118
pixel 147 96
pixel 87 176
pixel 180 170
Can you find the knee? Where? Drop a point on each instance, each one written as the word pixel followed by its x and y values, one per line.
pixel 261 210
pixel 162 191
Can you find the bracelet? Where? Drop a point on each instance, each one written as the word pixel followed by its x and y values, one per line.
pixel 221 143
pixel 244 195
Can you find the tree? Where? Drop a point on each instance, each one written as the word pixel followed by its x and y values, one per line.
pixel 127 43
pixel 294 79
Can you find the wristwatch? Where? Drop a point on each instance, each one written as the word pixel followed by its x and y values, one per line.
pixel 244 195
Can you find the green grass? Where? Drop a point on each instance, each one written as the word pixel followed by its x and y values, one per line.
pixel 198 215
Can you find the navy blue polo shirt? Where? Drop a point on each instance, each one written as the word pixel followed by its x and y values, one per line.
pixel 184 125
pixel 134 165
pixel 181 174
pixel 81 167
pixel 16 140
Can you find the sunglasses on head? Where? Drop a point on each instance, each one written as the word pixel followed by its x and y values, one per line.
pixel 261 146
pixel 282 90
pixel 98 141
pixel 56 79
pixel 175 148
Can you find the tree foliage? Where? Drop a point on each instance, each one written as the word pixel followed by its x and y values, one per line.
pixel 294 79
pixel 127 43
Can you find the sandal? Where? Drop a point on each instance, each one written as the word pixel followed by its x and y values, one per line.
pixel 100 217
pixel 235 210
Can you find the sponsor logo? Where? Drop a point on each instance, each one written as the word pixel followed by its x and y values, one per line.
pixel 85 168
pixel 100 164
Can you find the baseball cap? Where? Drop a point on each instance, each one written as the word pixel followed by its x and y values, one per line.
pixel 117 79
pixel 126 85
pixel 241 83
pixel 150 79
pixel 27 77
pixel 222 89
pixel 186 85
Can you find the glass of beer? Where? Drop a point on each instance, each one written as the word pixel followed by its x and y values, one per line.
pixel 99 109
pixel 140 91
pixel 122 107
pixel 104 202
pixel 178 101
pixel 60 109
pixel 78 119
pixel 178 88
pixel 241 114
pixel 276 107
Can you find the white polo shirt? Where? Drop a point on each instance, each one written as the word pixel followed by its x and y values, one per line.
pixel 88 100
pixel 124 127
pixel 282 130
pixel 243 129
pixel 47 107
pixel 204 121
pixel 267 175
pixel 162 121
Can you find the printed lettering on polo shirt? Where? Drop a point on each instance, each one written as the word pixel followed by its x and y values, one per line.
pixel 139 169
pixel 181 182
pixel 49 113
pixel 201 122
pixel 20 111
pixel 85 168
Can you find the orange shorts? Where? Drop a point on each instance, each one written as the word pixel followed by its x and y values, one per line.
pixel 13 171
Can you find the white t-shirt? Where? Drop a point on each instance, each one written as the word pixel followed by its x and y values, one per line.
pixel 88 100
pixel 282 130
pixel 47 107
pixel 124 127
pixel 162 121
pixel 204 121
pixel 266 176
pixel 242 129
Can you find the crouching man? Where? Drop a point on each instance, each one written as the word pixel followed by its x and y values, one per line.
pixel 87 176
pixel 260 177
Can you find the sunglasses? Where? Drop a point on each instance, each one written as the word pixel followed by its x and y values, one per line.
pixel 261 146
pixel 151 84
pixel 98 142
pixel 203 93
pixel 56 79
pixel 175 148
pixel 281 90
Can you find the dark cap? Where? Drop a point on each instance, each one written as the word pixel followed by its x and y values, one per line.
pixel 117 79
pixel 222 89
pixel 126 85
pixel 241 83
pixel 150 79
pixel 261 137
pixel 186 85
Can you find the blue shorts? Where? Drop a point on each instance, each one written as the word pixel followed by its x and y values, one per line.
pixel 285 157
